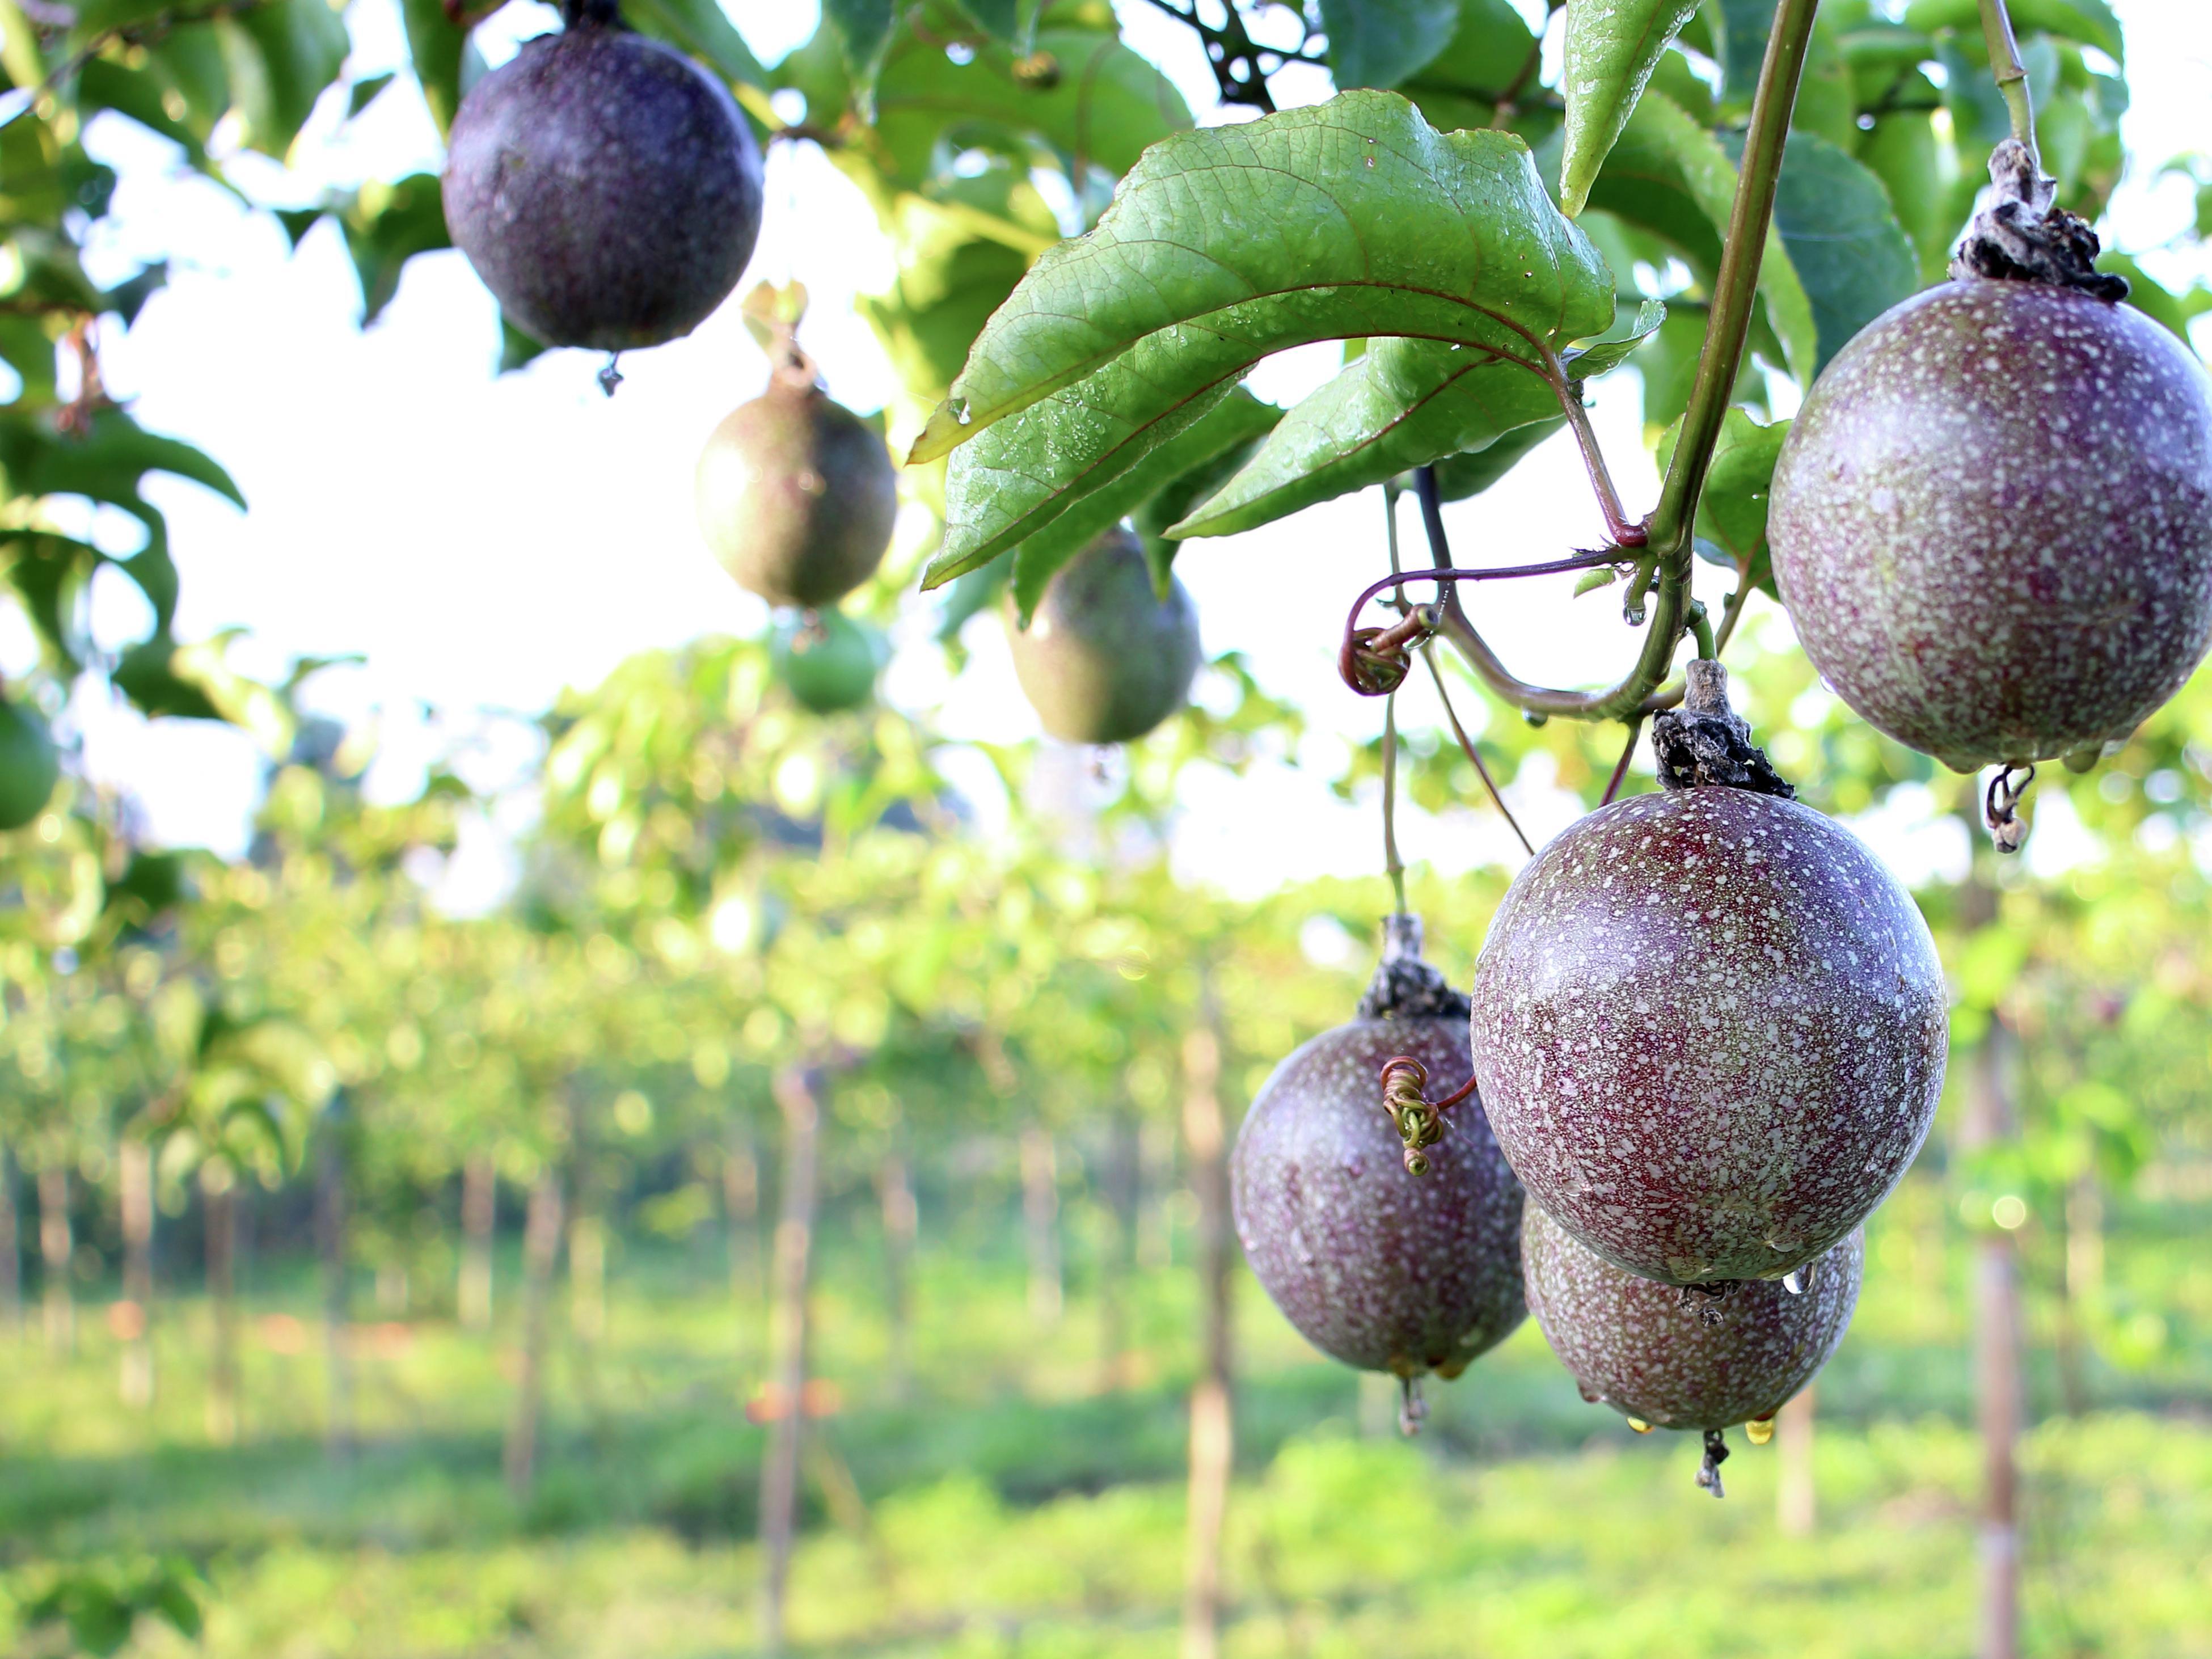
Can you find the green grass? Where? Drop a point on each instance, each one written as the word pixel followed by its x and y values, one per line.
pixel 1014 1506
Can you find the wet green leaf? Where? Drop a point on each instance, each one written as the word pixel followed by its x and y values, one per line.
pixel 1612 48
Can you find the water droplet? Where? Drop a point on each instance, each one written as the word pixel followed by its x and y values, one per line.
pixel 1759 1429
pixel 610 377
pixel 1640 1425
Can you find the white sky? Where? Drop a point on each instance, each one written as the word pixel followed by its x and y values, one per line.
pixel 483 541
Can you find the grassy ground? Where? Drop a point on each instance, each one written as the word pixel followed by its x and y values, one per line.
pixel 1013 1505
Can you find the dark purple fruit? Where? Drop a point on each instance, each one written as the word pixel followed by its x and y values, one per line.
pixel 1992 521
pixel 29 768
pixel 1105 659
pixel 1709 1029
pixel 605 188
pixel 796 496
pixel 1381 1269
pixel 1673 1358
pixel 829 661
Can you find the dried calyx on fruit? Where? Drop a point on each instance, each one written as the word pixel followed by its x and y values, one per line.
pixel 1381 1271
pixel 795 492
pixel 605 187
pixel 1991 521
pixel 1680 1358
pixel 1107 656
pixel 1708 1028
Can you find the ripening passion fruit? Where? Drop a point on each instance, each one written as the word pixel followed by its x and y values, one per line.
pixel 1991 521
pixel 1105 659
pixel 604 186
pixel 1672 1358
pixel 1709 1030
pixel 1376 1268
pixel 795 492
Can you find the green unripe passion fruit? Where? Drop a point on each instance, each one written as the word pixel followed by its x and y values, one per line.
pixel 1105 659
pixel 29 768
pixel 828 660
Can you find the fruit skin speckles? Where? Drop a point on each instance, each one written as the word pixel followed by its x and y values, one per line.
pixel 1677 1358
pixel 1992 521
pixel 1709 1029
pixel 605 188
pixel 1379 1268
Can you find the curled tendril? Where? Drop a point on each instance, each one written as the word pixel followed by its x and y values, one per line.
pixel 1419 1120
pixel 1999 806
pixel 1374 661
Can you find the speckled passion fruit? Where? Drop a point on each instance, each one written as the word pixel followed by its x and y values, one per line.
pixel 1105 659
pixel 1678 1358
pixel 1710 1030
pixel 605 187
pixel 796 494
pixel 29 768
pixel 1992 521
pixel 828 660
pixel 1379 1268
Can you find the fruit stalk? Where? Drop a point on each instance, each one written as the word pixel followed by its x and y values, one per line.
pixel 1735 291
pixel 2010 73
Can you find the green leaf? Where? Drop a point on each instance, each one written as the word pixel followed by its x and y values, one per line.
pixel 364 92
pixel 1488 50
pixel 1401 404
pixel 1612 47
pixel 1613 348
pixel 863 27
pixel 2150 296
pixel 1844 242
pixel 1380 43
pixel 1905 154
pixel 702 28
pixel 1459 476
pixel 1731 525
pixel 281 56
pixel 386 225
pixel 515 347
pixel 1670 176
pixel 2090 21
pixel 1351 219
pixel 434 45
pixel 1232 424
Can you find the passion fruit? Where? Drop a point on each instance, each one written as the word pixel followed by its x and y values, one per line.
pixel 604 186
pixel 796 494
pixel 29 768
pixel 828 660
pixel 1375 1267
pixel 1709 1029
pixel 1105 659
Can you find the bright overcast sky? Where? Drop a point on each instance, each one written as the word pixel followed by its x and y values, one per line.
pixel 483 541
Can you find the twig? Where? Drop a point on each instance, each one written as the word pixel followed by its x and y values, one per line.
pixel 1466 744
pixel 2011 75
pixel 1620 766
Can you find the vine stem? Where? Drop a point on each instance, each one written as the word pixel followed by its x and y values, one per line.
pixel 2011 75
pixel 1393 865
pixel 1735 291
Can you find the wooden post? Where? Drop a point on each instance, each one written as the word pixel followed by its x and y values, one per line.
pixel 541 1254
pixel 331 1219
pixel 56 1247
pixel 1795 1500
pixel 1040 1162
pixel 1213 1443
pixel 1988 1120
pixel 741 1216
pixel 902 1224
pixel 1120 1191
pixel 135 1161
pixel 2085 1286
pixel 798 1096
pixel 479 1216
pixel 219 1200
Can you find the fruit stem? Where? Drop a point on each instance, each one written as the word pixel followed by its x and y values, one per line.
pixel 1475 755
pixel 2011 75
pixel 1735 291
pixel 1620 766
pixel 1624 531
pixel 598 13
pixel 1393 865
pixel 1702 631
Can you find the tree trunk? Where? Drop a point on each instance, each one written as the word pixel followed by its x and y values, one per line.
pixel 1155 1153
pixel 331 1219
pixel 1118 1223
pixel 1795 1502
pixel 2085 1286
pixel 479 1216
pixel 219 1196
pixel 741 1217
pixel 1990 1121
pixel 798 1096
pixel 1211 1431
pixel 587 1279
pixel 55 1249
pixel 541 1251
pixel 901 1223
pixel 1040 1223
pixel 135 1161
pixel 11 1251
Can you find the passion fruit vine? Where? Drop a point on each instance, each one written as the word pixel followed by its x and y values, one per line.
pixel 1105 659
pixel 604 186
pixel 1376 1268
pixel 1992 520
pixel 1709 1026
pixel 1673 1358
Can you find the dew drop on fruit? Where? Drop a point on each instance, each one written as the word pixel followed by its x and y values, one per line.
pixel 1759 1430
pixel 1640 1425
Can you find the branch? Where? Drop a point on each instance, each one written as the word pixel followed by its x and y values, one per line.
pixel 2011 75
